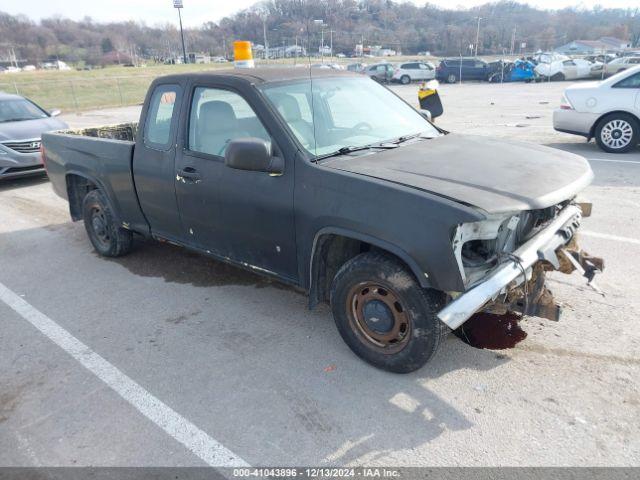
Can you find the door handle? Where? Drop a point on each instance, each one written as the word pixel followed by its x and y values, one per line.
pixel 188 175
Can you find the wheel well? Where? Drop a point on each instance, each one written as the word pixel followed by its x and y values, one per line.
pixel 331 252
pixel 77 189
pixel 592 133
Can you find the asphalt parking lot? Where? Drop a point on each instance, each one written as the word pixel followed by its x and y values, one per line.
pixel 180 360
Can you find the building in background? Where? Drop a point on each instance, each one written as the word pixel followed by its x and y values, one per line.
pixel 594 47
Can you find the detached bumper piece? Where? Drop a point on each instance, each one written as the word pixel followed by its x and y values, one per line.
pixel 519 280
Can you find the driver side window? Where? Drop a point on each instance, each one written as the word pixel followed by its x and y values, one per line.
pixel 219 116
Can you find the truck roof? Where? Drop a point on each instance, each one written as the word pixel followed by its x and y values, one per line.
pixel 8 96
pixel 264 75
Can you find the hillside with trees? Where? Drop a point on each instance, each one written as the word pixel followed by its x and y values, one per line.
pixel 400 26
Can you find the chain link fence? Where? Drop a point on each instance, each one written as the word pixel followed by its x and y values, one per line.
pixel 80 94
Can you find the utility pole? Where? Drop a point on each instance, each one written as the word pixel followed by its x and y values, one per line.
pixel 478 35
pixel 178 4
pixel 331 43
pixel 322 25
pixel 513 40
pixel 264 32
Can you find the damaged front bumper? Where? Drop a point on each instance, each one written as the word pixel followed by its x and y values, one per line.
pixel 519 280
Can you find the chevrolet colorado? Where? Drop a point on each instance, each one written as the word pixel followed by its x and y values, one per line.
pixel 334 184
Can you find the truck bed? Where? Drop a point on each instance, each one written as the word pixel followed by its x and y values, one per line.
pixel 121 131
pixel 101 155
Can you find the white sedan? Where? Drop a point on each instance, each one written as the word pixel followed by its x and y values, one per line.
pixel 615 66
pixel 608 111
pixel 571 69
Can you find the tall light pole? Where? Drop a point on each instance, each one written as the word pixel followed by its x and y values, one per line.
pixel 478 35
pixel 178 4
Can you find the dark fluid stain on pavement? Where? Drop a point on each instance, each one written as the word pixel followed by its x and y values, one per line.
pixel 180 265
pixel 494 332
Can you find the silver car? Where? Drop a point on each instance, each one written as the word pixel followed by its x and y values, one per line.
pixel 22 122
pixel 409 72
pixel 608 111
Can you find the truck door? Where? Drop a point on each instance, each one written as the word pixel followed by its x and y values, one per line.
pixel 153 161
pixel 244 216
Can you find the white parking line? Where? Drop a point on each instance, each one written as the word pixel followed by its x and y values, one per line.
pixel 612 160
pixel 606 236
pixel 195 440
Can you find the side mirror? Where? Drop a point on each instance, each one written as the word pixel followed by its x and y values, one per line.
pixel 55 113
pixel 253 154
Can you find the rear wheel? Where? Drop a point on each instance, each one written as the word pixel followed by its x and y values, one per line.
pixel 405 79
pixel 617 133
pixel 107 237
pixel 384 315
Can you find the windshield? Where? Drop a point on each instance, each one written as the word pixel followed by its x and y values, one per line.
pixel 18 109
pixel 344 112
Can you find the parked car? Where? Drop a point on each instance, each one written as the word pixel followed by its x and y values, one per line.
pixel 608 111
pixel 602 58
pixel 356 67
pixel 380 72
pixel 571 69
pixel 614 66
pixel 408 72
pixel 335 185
pixel 452 70
pixel 548 57
pixel 22 122
pixel 518 71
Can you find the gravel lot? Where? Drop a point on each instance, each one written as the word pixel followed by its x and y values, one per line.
pixel 243 361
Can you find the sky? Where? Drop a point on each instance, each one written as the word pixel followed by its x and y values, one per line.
pixel 197 12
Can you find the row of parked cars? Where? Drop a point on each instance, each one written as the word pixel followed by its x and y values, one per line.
pixel 451 70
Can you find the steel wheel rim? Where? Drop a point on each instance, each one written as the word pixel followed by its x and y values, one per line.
pixel 389 340
pixel 616 134
pixel 99 225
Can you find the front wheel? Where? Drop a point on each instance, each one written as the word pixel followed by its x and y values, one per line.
pixel 107 237
pixel 617 133
pixel 405 79
pixel 452 78
pixel 384 315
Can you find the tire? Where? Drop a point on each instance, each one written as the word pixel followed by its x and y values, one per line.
pixel 107 237
pixel 558 77
pixel 379 287
pixel 451 78
pixel 617 133
pixel 405 79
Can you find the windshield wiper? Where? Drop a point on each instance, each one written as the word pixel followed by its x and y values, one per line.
pixel 402 139
pixel 350 149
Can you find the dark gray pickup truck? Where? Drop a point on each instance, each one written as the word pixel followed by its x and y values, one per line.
pixel 336 185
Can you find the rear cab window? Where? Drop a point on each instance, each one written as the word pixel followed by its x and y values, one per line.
pixel 161 116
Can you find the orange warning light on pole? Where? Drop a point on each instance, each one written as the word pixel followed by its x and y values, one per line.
pixel 243 58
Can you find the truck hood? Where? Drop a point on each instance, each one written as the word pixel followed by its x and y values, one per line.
pixel 28 129
pixel 494 175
